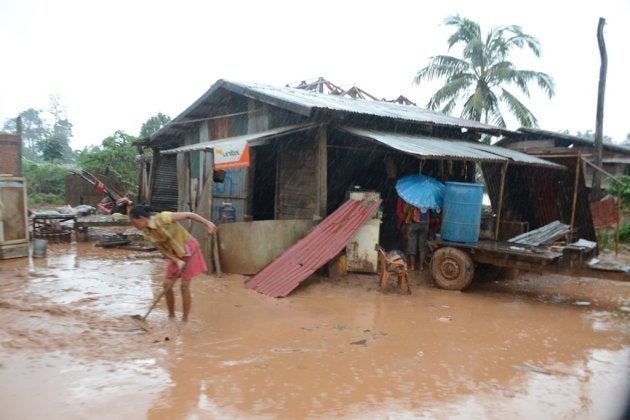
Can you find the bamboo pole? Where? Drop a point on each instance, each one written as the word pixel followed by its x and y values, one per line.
pixel 500 207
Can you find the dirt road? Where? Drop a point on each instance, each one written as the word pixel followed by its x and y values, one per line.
pixel 538 347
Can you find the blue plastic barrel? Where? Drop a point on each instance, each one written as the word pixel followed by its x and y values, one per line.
pixel 461 212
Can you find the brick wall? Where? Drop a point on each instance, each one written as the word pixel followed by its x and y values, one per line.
pixel 10 154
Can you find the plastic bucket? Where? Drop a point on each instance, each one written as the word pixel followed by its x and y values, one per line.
pixel 227 213
pixel 461 212
pixel 39 247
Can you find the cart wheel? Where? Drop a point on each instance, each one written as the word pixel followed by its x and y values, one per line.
pixel 452 269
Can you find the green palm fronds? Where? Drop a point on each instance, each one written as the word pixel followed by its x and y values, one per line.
pixel 481 77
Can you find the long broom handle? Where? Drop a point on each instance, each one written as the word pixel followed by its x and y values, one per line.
pixel 170 286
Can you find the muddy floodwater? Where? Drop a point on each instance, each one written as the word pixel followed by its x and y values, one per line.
pixel 534 347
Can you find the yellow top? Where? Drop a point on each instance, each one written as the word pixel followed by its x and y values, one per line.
pixel 169 234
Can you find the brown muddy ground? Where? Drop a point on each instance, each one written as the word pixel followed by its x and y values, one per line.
pixel 539 347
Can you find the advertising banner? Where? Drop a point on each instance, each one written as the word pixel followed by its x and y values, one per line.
pixel 230 155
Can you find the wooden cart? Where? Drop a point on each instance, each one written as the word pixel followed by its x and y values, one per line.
pixel 453 264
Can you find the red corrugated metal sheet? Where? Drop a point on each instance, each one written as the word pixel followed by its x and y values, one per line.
pixel 318 247
pixel 605 213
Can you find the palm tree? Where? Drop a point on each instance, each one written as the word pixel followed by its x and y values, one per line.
pixel 480 78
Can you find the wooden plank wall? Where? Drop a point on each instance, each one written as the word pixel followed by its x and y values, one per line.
pixel 297 185
pixel 79 191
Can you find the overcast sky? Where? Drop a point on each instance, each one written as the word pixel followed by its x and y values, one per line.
pixel 114 64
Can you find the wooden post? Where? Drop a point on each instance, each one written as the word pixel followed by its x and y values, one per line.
pixel 500 208
pixel 618 222
pixel 208 244
pixel 322 170
pixel 215 255
pixel 578 166
pixel 18 127
pixel 599 121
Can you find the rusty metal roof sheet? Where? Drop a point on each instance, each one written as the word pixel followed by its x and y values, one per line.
pixel 318 247
pixel 439 148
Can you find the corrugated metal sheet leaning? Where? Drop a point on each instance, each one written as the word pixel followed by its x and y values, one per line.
pixel 310 253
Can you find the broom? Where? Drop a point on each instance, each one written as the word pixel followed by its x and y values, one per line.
pixel 139 320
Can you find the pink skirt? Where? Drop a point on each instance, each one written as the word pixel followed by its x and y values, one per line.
pixel 195 264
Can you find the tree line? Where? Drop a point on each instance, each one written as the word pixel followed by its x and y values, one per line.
pixel 47 156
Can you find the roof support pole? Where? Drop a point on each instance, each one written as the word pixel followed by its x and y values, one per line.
pixel 208 243
pixel 322 169
pixel 596 192
pixel 501 193
pixel 192 190
pixel 183 189
pixel 578 165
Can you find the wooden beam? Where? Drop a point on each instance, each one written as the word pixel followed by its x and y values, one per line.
pixel 578 165
pixel 322 170
pixel 500 207
pixel 599 120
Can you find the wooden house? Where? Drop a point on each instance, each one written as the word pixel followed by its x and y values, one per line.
pixel 308 150
pixel 566 148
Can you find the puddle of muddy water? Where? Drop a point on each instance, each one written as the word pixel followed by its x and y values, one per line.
pixel 335 348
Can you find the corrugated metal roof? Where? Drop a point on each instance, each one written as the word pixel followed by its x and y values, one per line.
pixel 253 139
pixel 537 133
pixel 432 147
pixel 516 157
pixel 306 102
pixel 624 160
pixel 318 247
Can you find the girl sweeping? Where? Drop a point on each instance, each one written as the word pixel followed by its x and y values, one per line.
pixel 176 244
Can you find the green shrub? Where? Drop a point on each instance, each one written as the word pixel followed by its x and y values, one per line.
pixel 623 190
pixel 624 232
pixel 45 183
pixel 603 238
pixel 41 200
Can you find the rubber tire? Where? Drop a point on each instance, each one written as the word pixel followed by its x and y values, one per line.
pixel 452 269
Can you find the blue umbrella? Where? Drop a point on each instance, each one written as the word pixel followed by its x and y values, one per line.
pixel 421 191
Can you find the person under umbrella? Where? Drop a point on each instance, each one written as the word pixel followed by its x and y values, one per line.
pixel 417 195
